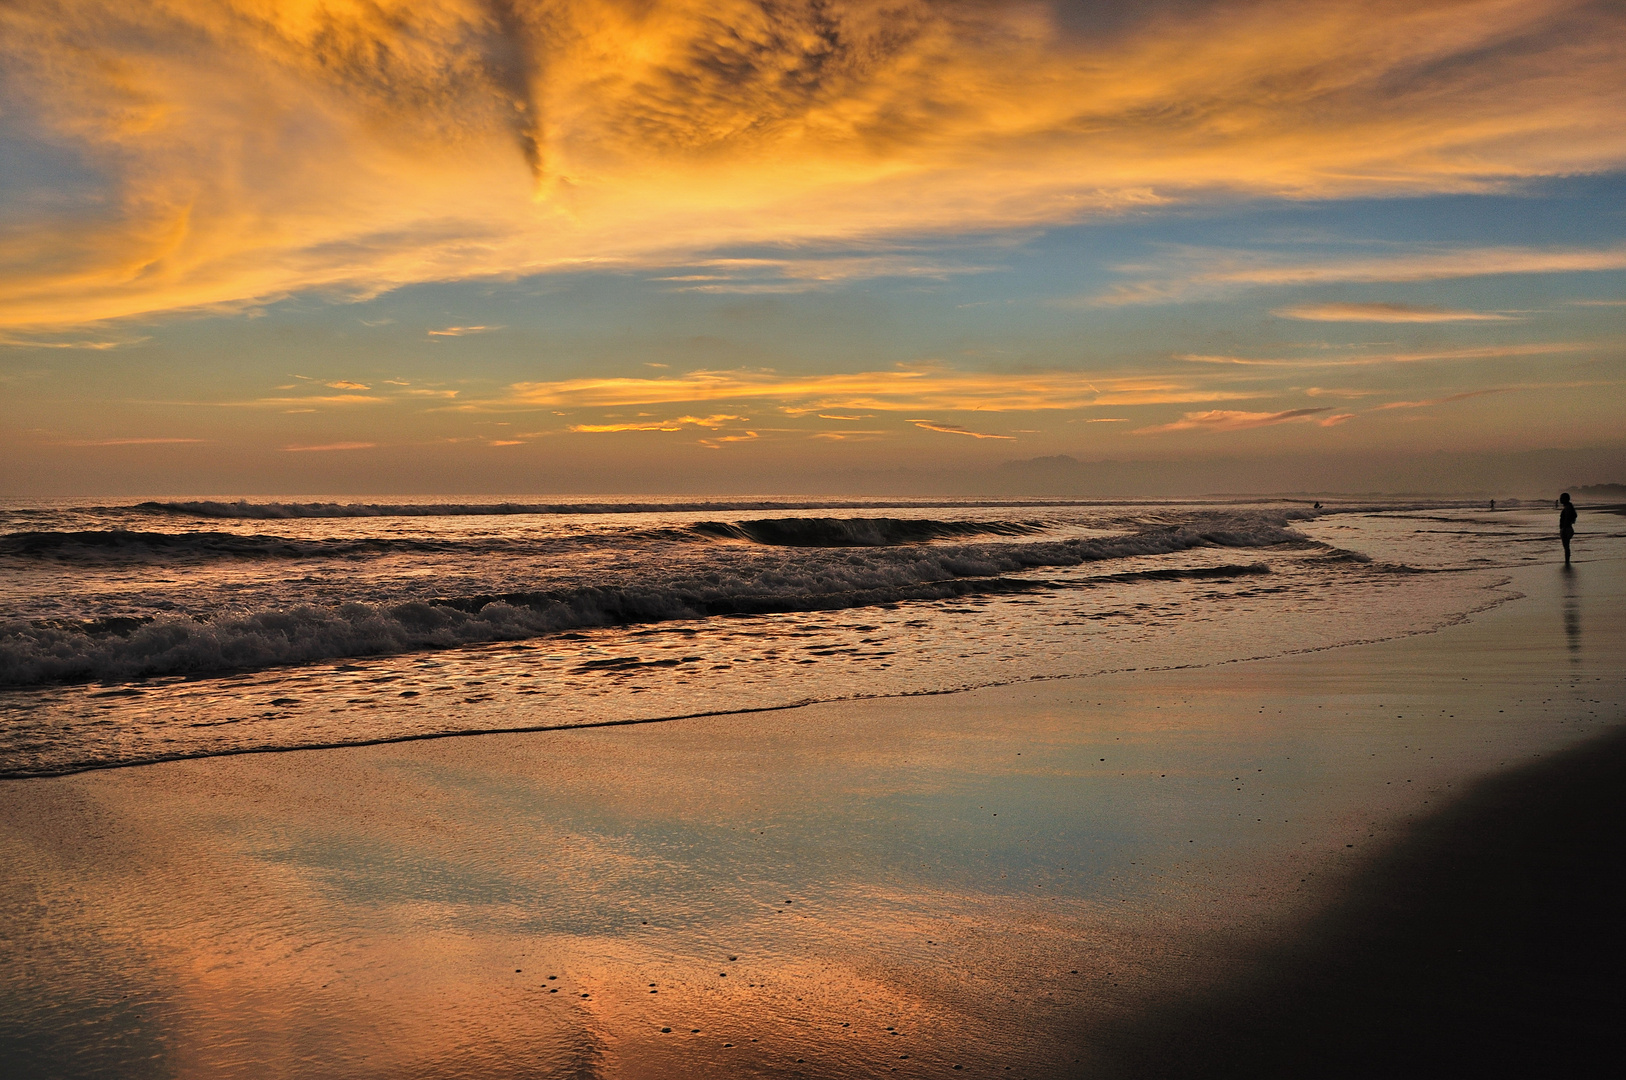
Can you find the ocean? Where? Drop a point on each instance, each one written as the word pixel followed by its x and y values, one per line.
pixel 154 629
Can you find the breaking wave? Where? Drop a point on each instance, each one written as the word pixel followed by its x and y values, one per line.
pixel 129 545
pixel 857 532
pixel 243 509
pixel 54 651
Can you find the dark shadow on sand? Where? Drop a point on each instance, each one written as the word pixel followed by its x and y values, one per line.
pixel 1491 942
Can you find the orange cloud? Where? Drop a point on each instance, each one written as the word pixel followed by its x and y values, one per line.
pixel 461 331
pixel 956 429
pixel 716 442
pixel 318 399
pixel 904 389
pixel 1200 272
pixel 98 345
pixel 659 425
pixel 1485 352
pixel 1228 420
pixel 128 442
pixel 1386 313
pixel 678 424
pixel 248 150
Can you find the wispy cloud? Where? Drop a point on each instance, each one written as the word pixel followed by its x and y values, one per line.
pixel 1422 356
pixel 910 389
pixel 717 442
pixel 1188 273
pixel 21 341
pixel 677 424
pixel 317 399
pixel 636 425
pixel 156 441
pixel 1440 400
pixel 461 331
pixel 433 141
pixel 956 429
pixel 1229 420
pixel 1387 313
pixel 810 271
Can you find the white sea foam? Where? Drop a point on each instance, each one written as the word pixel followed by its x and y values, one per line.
pixel 54 650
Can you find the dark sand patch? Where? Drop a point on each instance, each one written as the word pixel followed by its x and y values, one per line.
pixel 1489 942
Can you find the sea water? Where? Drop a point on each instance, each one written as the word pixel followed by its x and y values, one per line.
pixel 156 629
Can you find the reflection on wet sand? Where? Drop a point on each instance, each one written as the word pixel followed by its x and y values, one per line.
pixel 896 887
pixel 1572 611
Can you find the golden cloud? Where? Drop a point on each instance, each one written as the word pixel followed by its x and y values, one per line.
pixel 905 390
pixel 97 345
pixel 1229 420
pixel 956 429
pixel 714 421
pixel 1386 313
pixel 319 399
pixel 248 149
pixel 1484 352
pixel 129 442
pixel 461 331
pixel 659 425
pixel 716 442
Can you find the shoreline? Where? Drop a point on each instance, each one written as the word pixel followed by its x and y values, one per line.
pixel 1031 875
pixel 1454 619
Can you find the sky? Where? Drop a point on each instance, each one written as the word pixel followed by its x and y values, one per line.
pixel 811 246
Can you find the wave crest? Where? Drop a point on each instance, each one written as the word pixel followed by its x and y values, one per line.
pixel 857 532
pixel 47 651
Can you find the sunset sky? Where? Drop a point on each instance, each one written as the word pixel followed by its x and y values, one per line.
pixel 324 246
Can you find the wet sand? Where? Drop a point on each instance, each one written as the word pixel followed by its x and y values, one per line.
pixel 1257 867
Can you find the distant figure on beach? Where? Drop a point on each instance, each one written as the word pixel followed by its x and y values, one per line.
pixel 1493 506
pixel 1316 507
pixel 1566 524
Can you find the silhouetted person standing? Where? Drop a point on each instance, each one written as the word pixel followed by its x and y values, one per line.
pixel 1566 524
